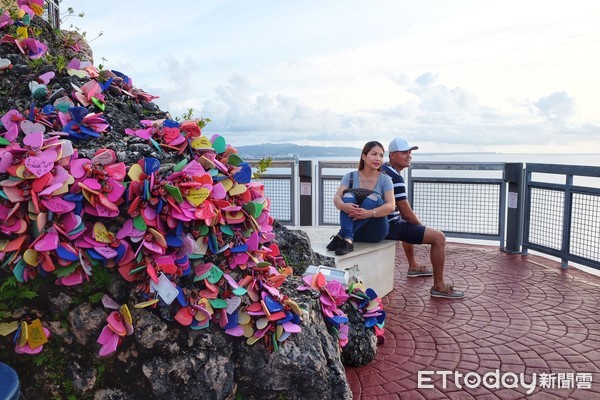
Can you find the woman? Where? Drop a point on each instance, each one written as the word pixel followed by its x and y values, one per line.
pixel 366 220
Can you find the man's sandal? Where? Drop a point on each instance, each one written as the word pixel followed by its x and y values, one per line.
pixel 447 293
pixel 420 271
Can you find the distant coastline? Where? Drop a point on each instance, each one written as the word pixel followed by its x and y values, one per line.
pixel 294 151
pixel 288 151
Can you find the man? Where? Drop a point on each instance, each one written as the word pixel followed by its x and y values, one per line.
pixel 405 225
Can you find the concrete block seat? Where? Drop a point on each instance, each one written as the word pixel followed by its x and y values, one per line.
pixel 371 263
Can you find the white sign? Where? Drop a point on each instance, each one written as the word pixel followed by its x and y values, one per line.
pixel 513 199
pixel 165 288
pixel 305 188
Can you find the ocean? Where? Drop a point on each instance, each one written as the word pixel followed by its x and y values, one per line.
pixel 588 159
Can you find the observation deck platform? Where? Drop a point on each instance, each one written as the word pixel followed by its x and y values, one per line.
pixel 520 314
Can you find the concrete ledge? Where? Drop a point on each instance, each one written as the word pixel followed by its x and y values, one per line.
pixel 371 263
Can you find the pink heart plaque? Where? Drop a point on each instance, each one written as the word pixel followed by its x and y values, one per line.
pixel 48 242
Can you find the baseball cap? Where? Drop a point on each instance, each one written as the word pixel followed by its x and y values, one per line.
pixel 400 144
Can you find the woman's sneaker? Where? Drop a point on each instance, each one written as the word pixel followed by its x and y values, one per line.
pixel 336 242
pixel 344 248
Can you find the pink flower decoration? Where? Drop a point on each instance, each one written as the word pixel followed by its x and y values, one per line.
pixel 5 19
pixel 36 48
pixel 11 121
pixel 141 133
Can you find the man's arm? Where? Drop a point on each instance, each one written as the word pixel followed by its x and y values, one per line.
pixel 407 212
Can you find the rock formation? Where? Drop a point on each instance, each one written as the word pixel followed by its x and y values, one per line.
pixel 138 259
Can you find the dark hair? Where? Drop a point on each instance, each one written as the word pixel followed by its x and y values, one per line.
pixel 366 148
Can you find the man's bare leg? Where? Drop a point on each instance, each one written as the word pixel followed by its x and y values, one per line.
pixel 414 268
pixel 437 240
pixel 409 251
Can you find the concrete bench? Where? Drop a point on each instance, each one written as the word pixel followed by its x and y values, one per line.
pixel 371 263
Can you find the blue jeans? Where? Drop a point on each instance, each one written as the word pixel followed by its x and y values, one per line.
pixel 370 230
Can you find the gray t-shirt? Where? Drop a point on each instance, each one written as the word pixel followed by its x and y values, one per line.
pixel 384 183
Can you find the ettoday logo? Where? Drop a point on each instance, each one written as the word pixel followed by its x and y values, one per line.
pixel 507 380
pixel 491 380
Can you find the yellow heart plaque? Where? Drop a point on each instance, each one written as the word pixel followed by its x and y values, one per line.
pixel 237 189
pixel 135 171
pixel 197 196
pixel 201 142
pixel 31 257
pixel 101 234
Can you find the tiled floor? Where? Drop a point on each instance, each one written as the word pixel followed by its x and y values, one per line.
pixel 521 314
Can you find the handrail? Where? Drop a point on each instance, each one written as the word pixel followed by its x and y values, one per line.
pixel 563 219
pixel 503 202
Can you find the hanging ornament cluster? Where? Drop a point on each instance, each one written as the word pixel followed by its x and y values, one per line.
pixel 196 235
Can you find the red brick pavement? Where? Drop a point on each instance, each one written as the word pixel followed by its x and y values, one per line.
pixel 521 314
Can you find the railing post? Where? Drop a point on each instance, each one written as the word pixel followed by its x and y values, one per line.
pixel 566 228
pixel 513 175
pixel 305 174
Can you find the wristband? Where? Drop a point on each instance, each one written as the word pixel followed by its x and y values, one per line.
pixel 373 212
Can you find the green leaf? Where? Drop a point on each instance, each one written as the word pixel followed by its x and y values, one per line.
pixel 66 271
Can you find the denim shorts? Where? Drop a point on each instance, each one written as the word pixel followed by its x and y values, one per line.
pixel 409 233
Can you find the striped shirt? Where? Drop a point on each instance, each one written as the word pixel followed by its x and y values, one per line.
pixel 399 189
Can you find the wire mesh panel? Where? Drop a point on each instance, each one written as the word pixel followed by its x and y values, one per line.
pixel 546 217
pixel 330 214
pixel 279 182
pixel 52 13
pixel 330 175
pixel 279 192
pixel 562 215
pixel 585 226
pixel 458 207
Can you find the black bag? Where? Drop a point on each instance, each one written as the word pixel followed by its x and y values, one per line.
pixel 359 193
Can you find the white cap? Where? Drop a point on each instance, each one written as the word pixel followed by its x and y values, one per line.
pixel 400 144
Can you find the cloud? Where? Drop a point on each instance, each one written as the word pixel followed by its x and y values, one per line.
pixel 438 98
pixel 435 113
pixel 557 107
pixel 342 72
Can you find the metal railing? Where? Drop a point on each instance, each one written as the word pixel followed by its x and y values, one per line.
pixel 458 205
pixel 52 13
pixel 280 182
pixel 329 176
pixel 558 216
pixel 562 212
pixel 464 200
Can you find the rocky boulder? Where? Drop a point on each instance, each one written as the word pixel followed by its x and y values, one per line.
pixel 162 354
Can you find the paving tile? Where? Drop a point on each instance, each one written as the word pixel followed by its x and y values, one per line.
pixel 522 314
pixel 508 394
pixel 371 380
pixel 490 363
pixel 510 359
pixel 432 394
pixel 579 394
pixel 467 366
pixel 461 396
pixel 392 387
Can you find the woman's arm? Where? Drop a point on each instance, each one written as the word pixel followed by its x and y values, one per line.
pixel 384 209
pixel 339 204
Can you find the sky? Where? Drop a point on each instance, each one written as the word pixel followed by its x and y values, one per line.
pixel 448 76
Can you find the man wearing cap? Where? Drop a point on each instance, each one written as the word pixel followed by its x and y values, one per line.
pixel 405 225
